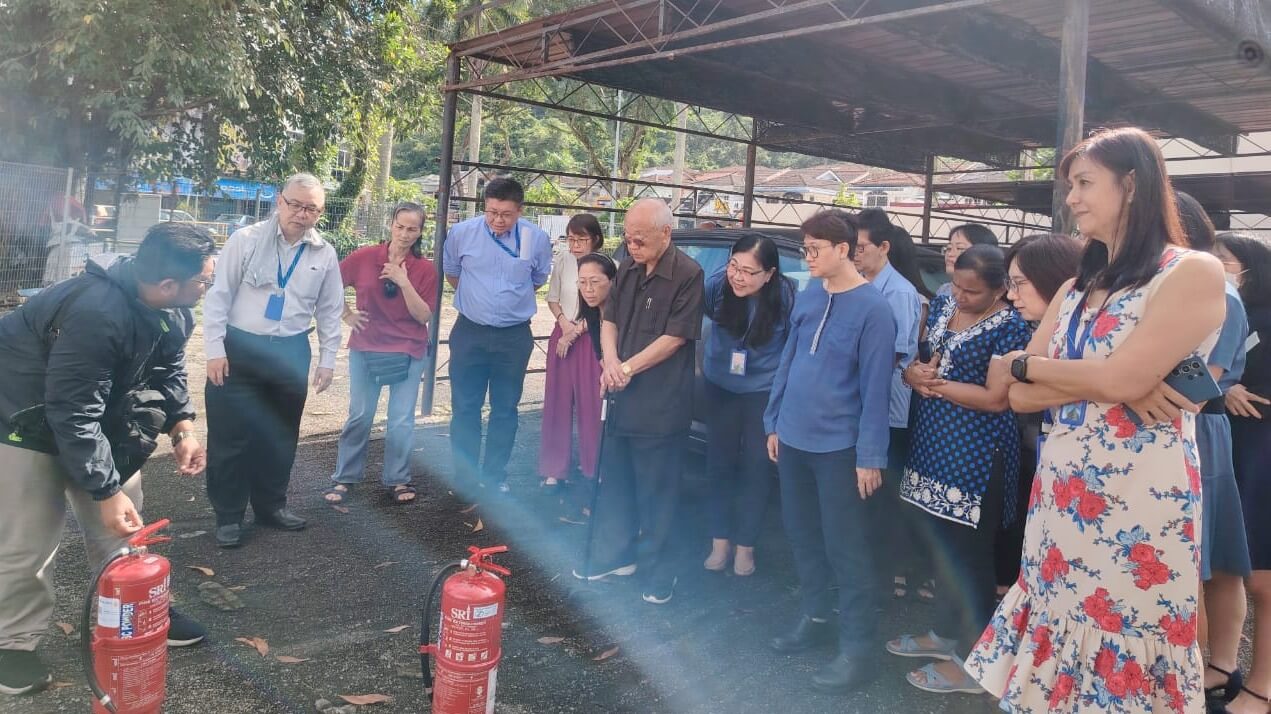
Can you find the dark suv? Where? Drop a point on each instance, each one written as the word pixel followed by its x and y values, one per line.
pixel 710 248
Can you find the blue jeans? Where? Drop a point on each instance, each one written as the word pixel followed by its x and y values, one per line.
pixel 364 396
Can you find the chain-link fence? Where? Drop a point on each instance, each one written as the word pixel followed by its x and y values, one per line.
pixel 43 229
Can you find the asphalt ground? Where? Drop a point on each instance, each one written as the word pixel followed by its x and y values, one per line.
pixel 329 595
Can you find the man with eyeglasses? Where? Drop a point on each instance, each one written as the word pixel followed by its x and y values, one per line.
pixel 652 321
pixel 278 278
pixel 94 372
pixel 495 263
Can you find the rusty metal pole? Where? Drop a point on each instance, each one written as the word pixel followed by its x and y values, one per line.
pixel 445 172
pixel 927 197
pixel 1072 100
pixel 748 197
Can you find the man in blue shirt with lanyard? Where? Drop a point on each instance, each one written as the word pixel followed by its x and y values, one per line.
pixel 495 263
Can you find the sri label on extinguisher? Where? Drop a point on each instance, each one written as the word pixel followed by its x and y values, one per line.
pixel 108 612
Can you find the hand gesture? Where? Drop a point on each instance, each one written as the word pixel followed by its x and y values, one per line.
pixel 922 377
pixel 322 379
pixel 611 377
pixel 868 481
pixel 217 370
pixel 119 515
pixel 396 273
pixel 1242 402
pixel 773 447
pixel 191 456
pixel 356 319
pixel 1162 406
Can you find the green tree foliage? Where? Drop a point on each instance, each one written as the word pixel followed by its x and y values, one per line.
pixel 193 88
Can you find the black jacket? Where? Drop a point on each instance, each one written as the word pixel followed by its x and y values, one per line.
pixel 75 373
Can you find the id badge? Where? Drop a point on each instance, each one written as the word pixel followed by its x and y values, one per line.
pixel 273 308
pixel 737 363
pixel 1073 414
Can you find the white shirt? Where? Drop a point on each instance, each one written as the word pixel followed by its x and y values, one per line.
pixel 314 291
pixel 563 287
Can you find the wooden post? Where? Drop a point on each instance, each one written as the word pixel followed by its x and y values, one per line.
pixel 1072 100
pixel 748 195
pixel 927 198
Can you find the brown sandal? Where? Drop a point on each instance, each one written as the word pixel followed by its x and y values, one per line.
pixel 337 494
pixel 403 493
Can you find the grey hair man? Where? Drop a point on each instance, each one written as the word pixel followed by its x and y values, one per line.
pixel 652 321
pixel 278 277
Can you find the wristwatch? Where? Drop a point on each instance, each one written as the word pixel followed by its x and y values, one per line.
pixel 626 369
pixel 180 435
pixel 1019 369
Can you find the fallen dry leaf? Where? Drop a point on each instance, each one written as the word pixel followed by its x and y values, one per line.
pixel 59 685
pixel 257 642
pixel 67 627
pixel 606 654
pixel 550 640
pixel 202 569
pixel 286 659
pixel 190 499
pixel 395 630
pixel 385 564
pixel 366 699
pixel 471 508
pixel 341 509
pixel 238 587
pixel 479 526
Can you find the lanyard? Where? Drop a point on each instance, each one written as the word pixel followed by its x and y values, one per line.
pixel 284 279
pixel 1076 348
pixel 516 231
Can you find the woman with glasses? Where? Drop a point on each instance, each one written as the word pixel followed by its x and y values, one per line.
pixel 963 468
pixel 1247 261
pixel 827 424
pixel 396 290
pixel 961 238
pixel 749 301
pixel 573 367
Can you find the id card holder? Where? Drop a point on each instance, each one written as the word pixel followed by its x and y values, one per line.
pixel 737 363
pixel 273 308
pixel 1073 414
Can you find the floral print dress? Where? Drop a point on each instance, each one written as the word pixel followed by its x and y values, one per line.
pixel 1103 616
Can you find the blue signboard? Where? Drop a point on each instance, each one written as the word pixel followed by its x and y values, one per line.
pixel 237 189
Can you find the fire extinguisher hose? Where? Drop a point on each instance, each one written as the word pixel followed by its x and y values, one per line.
pixel 86 632
pixel 425 617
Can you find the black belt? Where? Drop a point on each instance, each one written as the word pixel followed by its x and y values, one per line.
pixel 474 323
pixel 1214 406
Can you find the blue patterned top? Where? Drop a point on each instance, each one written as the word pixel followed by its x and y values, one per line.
pixel 954 448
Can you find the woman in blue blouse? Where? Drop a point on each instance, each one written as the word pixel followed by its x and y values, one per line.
pixel 749 300
pixel 964 467
pixel 827 424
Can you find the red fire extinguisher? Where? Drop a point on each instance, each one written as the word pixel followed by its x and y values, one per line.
pixel 468 634
pixel 126 655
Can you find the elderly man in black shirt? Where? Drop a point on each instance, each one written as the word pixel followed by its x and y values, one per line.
pixel 651 323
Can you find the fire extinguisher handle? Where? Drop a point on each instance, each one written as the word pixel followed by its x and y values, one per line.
pixel 479 558
pixel 146 536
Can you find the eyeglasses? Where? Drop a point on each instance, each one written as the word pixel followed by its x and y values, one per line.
pixel 735 267
pixel 500 215
pixel 1014 285
pixel 634 243
pixel 578 240
pixel 952 250
pixel 306 209
pixel 205 281
pixel 812 251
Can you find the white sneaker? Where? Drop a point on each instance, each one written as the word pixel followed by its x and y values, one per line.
pixel 660 597
pixel 622 570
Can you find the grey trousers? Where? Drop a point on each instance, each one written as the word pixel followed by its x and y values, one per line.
pixel 33 499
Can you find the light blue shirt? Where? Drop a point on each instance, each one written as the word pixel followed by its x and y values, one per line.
pixel 1229 351
pixel 497 278
pixel 906 307
pixel 761 360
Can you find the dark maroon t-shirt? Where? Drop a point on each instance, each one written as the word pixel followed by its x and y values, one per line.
pixel 390 327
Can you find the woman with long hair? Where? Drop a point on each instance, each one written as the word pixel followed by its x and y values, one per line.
pixel 961 238
pixel 1103 616
pixel 573 376
pixel 1247 261
pixel 396 295
pixel 962 472
pixel 749 301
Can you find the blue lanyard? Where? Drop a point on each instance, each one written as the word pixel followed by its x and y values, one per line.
pixel 284 279
pixel 516 231
pixel 1076 348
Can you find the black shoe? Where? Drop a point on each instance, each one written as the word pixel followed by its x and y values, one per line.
pixel 660 594
pixel 182 631
pixel 843 674
pixel 229 536
pixel 808 633
pixel 282 519
pixel 22 672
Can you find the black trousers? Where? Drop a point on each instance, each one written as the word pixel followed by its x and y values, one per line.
pixel 737 464
pixel 900 550
pixel 962 564
pixel 828 525
pixel 635 511
pixel 486 359
pixel 253 423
